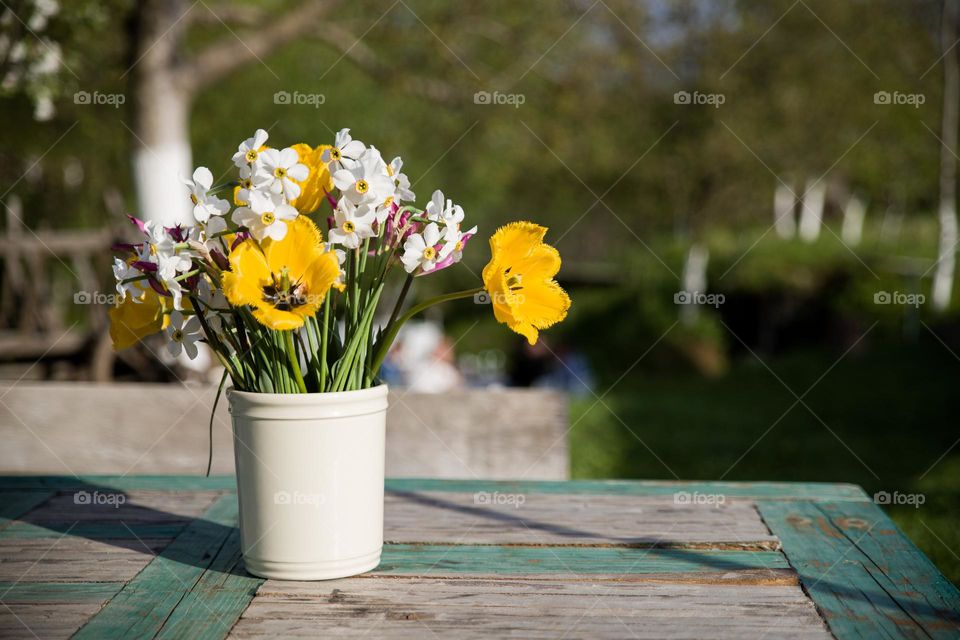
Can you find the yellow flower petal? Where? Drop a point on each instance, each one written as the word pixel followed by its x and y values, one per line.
pixel 287 280
pixel 132 321
pixel 519 280
pixel 318 183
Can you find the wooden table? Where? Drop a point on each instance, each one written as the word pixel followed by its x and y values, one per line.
pixel 111 557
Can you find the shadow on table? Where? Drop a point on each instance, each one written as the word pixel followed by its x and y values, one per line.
pixel 216 547
pixel 104 514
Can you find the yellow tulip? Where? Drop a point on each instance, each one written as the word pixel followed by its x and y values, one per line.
pixel 519 280
pixel 132 321
pixel 318 184
pixel 287 280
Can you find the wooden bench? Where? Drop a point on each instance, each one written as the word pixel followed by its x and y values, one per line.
pixel 77 428
pixel 143 557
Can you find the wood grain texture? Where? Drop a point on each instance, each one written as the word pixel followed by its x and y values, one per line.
pixel 144 605
pixel 521 606
pixel 473 433
pixel 558 520
pixel 752 490
pixel 75 559
pixel 426 559
pixel 51 621
pixel 865 576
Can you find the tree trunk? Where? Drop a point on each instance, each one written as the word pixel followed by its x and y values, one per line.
pixel 811 211
pixel 946 261
pixel 853 215
pixel 161 104
pixel 784 203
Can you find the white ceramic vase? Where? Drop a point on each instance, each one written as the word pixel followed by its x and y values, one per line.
pixel 310 481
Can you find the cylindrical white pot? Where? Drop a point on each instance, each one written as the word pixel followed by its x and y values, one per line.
pixel 310 481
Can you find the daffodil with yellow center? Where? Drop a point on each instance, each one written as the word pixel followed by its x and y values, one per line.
pixel 520 280
pixel 319 183
pixel 285 281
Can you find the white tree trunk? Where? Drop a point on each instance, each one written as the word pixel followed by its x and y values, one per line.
pixel 784 221
pixel 694 281
pixel 853 215
pixel 811 212
pixel 159 165
pixel 947 213
pixel 161 106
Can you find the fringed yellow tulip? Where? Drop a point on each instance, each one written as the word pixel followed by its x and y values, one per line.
pixel 286 281
pixel 132 321
pixel 318 184
pixel 519 280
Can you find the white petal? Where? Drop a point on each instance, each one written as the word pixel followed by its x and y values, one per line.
pixel 191 349
pixel 353 149
pixel 431 235
pixel 289 157
pixel 343 179
pixel 259 138
pixel 203 177
pixel 277 230
pixel 299 172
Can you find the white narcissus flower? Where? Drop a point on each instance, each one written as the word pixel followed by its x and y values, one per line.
pixel 345 152
pixel 442 210
pixel 209 237
pixel 123 271
pixel 352 223
pixel 420 249
pixel 402 192
pixel 453 243
pixel 248 153
pixel 366 181
pixel 280 171
pixel 266 216
pixel 204 204
pixel 183 335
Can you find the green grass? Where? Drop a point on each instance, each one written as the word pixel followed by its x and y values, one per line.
pixel 880 419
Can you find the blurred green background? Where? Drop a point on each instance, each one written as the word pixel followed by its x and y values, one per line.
pixel 798 375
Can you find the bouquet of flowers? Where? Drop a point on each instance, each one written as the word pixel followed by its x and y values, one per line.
pixel 289 298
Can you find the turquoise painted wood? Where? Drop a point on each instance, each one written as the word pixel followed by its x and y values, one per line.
pixel 142 607
pixel 212 607
pixel 866 577
pixel 14 504
pixel 490 559
pixel 772 490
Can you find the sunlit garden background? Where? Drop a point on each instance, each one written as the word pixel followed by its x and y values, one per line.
pixel 781 163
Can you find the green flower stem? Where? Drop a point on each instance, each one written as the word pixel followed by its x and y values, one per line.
pixel 323 342
pixel 294 360
pixel 391 332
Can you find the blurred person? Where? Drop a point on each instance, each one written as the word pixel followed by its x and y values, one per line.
pixel 424 358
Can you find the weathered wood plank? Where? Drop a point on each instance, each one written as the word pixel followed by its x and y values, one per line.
pixel 752 490
pixel 14 504
pixel 756 490
pixel 145 603
pixel 46 621
pixel 215 603
pixel 495 560
pixel 119 483
pixel 73 559
pixel 107 505
pixel 524 606
pixel 96 530
pixel 57 592
pixel 588 520
pixel 866 578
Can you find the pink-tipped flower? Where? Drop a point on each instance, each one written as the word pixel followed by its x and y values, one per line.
pixel 455 253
